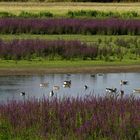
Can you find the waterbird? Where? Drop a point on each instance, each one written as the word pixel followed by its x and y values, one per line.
pixel 44 84
pixel 51 93
pixel 68 74
pixel 22 93
pixel 67 82
pixel 92 75
pixel 121 93
pixel 66 86
pixel 100 74
pixel 85 87
pixel 136 90
pixel 111 90
pixel 56 87
pixel 123 82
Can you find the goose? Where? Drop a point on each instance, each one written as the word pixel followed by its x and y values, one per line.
pixel 121 93
pixel 123 82
pixel 85 87
pixel 92 75
pixel 100 74
pixel 136 91
pixel 44 84
pixel 68 74
pixel 22 93
pixel 67 82
pixel 111 90
pixel 56 87
pixel 66 85
pixel 51 93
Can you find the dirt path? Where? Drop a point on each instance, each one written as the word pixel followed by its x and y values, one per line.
pixel 96 69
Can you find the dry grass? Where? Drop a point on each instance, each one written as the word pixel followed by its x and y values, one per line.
pixel 63 8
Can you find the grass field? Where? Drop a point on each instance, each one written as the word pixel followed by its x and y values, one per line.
pixel 43 67
pixel 61 8
pixel 64 63
pixel 85 38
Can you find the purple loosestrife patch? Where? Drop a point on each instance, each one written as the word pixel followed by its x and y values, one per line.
pixel 23 49
pixel 110 26
pixel 94 117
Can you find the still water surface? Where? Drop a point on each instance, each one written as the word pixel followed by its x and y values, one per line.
pixel 11 86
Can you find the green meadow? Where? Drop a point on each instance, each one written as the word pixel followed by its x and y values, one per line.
pixel 60 9
pixel 84 38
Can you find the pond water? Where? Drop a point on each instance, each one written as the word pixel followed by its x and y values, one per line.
pixel 12 86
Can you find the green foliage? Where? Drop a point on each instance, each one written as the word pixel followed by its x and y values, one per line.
pixel 5 130
pixel 102 14
pixel 24 14
pixel 6 14
pixel 74 14
pixel 35 15
pixel 28 134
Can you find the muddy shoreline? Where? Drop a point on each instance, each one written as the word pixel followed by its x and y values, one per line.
pixel 95 69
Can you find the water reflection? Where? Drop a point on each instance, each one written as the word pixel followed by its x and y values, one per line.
pixel 12 86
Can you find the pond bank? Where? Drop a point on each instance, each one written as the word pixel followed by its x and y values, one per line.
pixel 93 69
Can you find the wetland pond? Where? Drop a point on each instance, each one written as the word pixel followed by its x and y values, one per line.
pixel 12 86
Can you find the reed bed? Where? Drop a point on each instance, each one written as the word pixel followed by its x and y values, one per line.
pixel 71 118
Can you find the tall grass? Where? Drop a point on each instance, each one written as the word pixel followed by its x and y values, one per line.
pixel 71 118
